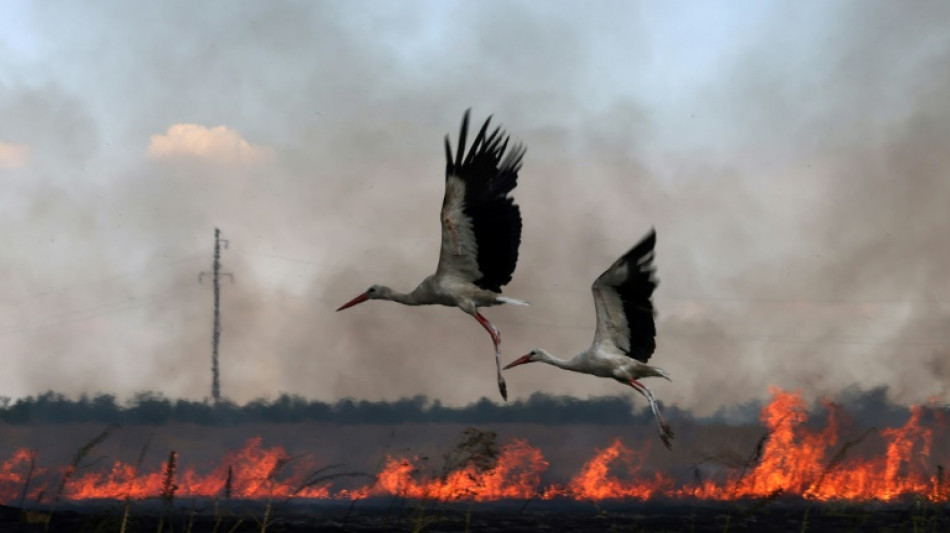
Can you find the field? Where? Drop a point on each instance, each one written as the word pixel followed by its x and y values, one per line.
pixel 796 471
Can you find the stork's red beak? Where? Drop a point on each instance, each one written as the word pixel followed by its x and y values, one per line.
pixel 358 300
pixel 519 361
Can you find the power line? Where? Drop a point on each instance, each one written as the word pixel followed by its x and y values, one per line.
pixel 559 323
pixel 101 281
pixel 699 298
pixel 103 310
pixel 283 258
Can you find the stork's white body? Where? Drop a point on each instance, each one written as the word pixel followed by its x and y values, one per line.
pixel 453 292
pixel 450 292
pixel 605 363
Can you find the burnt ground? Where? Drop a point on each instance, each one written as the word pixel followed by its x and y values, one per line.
pixel 533 516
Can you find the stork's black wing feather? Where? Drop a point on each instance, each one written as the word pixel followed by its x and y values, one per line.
pixel 487 173
pixel 623 298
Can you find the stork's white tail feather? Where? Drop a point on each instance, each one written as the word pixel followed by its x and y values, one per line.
pixel 512 301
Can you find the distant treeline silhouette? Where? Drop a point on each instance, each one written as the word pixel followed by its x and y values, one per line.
pixel 151 408
pixel 869 407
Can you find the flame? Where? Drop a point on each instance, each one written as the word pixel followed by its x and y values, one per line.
pixel 259 473
pixel 903 469
pixel 595 483
pixel 13 475
pixel 794 459
pixel 516 475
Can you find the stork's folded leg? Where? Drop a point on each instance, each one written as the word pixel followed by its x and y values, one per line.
pixel 666 432
pixel 496 340
pixel 490 328
pixel 502 386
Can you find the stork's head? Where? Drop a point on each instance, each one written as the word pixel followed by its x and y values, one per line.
pixel 375 292
pixel 535 355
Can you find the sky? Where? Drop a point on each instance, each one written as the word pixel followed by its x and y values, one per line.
pixel 791 156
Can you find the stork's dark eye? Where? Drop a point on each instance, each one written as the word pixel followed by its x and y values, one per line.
pixel 372 289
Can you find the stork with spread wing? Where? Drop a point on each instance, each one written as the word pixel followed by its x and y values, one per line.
pixel 625 336
pixel 481 233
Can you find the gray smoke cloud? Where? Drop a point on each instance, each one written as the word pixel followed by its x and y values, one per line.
pixel 791 159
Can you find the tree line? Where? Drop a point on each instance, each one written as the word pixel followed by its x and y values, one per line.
pixel 870 407
pixel 153 408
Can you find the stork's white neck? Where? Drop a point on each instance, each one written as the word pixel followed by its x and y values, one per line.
pixel 405 298
pixel 566 364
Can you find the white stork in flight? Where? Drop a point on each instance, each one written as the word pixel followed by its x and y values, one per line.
pixel 481 232
pixel 624 340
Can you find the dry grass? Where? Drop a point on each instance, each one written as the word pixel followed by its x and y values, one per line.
pixel 128 495
pixel 78 457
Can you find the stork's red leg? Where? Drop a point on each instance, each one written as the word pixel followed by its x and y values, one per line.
pixel 666 432
pixel 496 340
pixel 490 328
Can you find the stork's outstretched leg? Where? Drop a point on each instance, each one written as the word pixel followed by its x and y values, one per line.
pixel 490 328
pixel 496 340
pixel 666 432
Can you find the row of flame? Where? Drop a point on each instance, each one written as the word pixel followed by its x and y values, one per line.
pixel 793 460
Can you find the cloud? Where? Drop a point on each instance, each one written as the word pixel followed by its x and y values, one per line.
pixel 219 144
pixel 14 155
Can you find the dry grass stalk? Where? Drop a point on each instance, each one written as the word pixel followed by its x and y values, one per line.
pixel 169 487
pixel 229 483
pixel 128 494
pixel 836 460
pixel 29 477
pixel 81 454
pixel 168 479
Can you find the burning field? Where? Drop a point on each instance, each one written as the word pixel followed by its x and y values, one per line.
pixel 793 460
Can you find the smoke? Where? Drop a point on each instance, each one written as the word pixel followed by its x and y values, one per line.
pixel 791 160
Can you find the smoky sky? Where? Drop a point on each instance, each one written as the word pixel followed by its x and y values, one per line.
pixel 792 158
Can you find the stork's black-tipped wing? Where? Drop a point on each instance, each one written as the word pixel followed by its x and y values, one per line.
pixel 481 225
pixel 623 298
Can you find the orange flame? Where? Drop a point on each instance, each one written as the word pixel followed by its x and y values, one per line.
pixel 516 475
pixel 13 474
pixel 259 474
pixel 595 483
pixel 793 460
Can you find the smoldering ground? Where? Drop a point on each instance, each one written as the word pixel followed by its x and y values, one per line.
pixel 794 172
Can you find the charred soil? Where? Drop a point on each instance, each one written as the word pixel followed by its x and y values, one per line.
pixel 505 516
